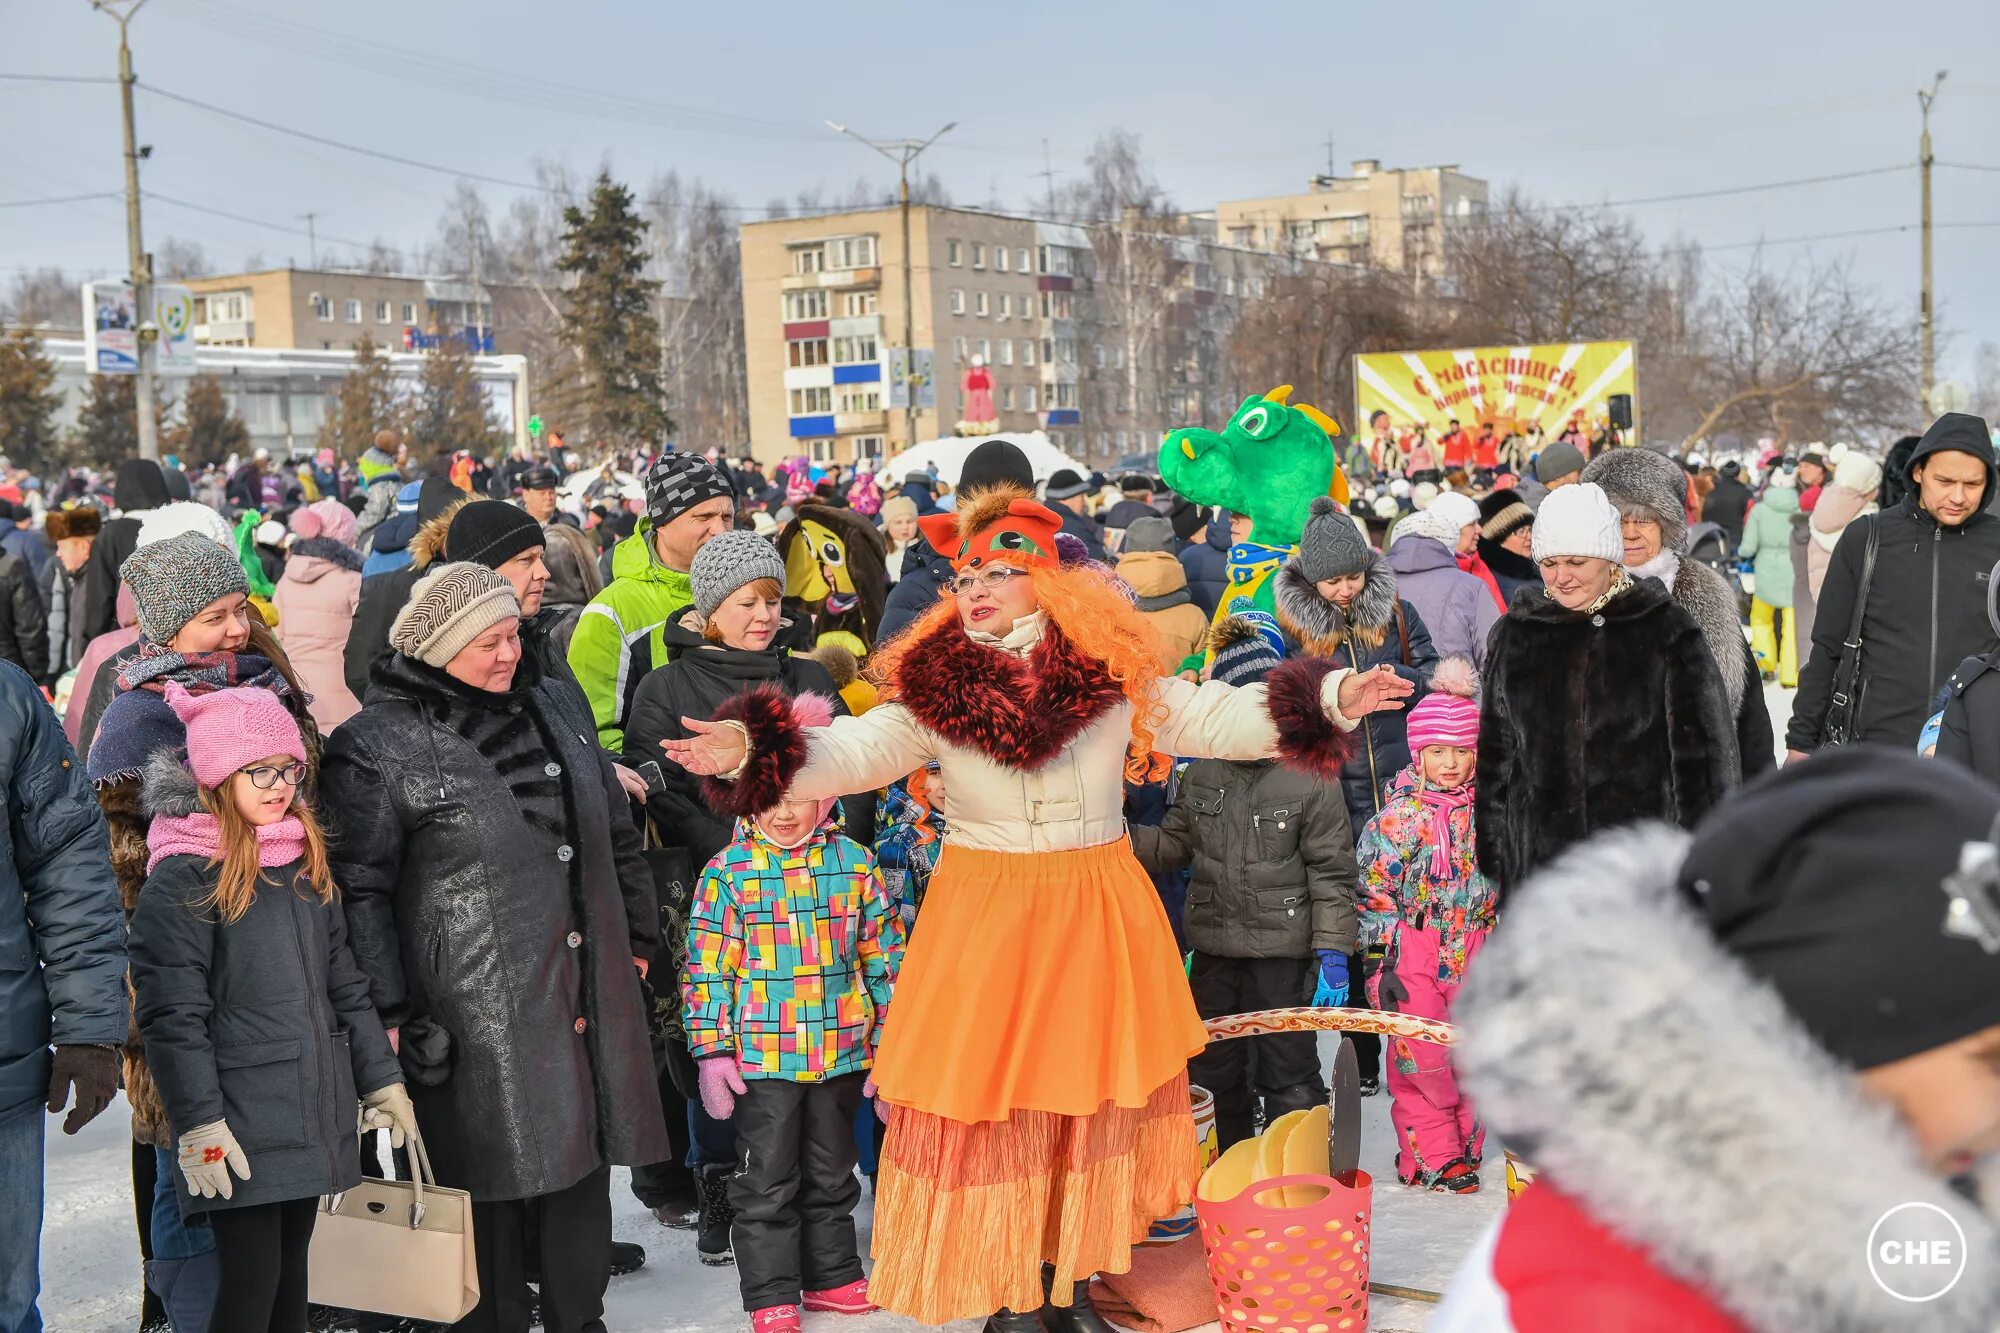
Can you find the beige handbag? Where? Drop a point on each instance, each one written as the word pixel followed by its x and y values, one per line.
pixel 401 1247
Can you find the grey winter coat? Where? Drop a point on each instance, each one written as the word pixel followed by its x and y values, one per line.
pixel 1272 856
pixel 263 1022
pixel 1457 608
pixel 62 935
pixel 497 895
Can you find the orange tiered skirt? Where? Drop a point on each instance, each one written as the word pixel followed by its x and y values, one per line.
pixel 1036 1053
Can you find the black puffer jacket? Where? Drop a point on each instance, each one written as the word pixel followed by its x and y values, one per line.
pixel 697 678
pixel 1207 564
pixel 24 624
pixel 264 1022
pixel 1587 722
pixel 1926 614
pixel 925 574
pixel 1272 856
pixel 1317 627
pixel 497 897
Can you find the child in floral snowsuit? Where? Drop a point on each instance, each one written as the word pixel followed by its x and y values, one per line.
pixel 1426 912
pixel 793 949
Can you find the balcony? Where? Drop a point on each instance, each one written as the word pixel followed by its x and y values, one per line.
pixel 849 423
pixel 226 331
pixel 851 277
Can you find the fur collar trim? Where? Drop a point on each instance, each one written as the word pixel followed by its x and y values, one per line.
pixel 1017 711
pixel 329 550
pixel 1609 1041
pixel 167 788
pixel 1704 595
pixel 1321 626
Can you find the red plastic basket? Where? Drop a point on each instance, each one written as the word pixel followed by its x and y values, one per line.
pixel 1291 1270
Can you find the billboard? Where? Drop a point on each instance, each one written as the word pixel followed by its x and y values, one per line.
pixel 1543 385
pixel 111 329
pixel 905 374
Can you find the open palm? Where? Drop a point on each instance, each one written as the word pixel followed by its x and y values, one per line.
pixel 712 748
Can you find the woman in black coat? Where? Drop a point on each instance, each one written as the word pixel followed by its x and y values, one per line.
pixel 1602 704
pixel 498 901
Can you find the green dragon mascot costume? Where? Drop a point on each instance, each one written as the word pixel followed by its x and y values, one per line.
pixel 1271 461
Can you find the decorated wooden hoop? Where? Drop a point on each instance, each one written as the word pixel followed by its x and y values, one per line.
pixel 1267 1021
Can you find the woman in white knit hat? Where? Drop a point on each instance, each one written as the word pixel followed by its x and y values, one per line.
pixel 1602 703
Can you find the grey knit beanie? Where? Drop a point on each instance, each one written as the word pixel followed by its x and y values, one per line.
pixel 1148 534
pixel 1644 484
pixel 449 608
pixel 173 579
pixel 1331 545
pixel 726 562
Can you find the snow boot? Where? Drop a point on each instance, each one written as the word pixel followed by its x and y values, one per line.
pixel 681 1209
pixel 626 1257
pixel 1014 1321
pixel 776 1319
pixel 187 1289
pixel 1455 1177
pixel 850 1299
pixel 1078 1316
pixel 712 1243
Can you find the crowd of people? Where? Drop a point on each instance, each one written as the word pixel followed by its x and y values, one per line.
pixel 766 832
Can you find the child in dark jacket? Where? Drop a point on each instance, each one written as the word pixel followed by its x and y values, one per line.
pixel 1427 912
pixel 257 1022
pixel 793 949
pixel 1270 907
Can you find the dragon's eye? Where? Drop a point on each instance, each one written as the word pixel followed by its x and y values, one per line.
pixel 1257 422
pixel 830 552
pixel 1012 540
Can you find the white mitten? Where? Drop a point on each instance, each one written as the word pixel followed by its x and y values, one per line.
pixel 208 1153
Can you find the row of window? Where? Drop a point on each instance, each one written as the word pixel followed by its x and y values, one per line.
pixel 843 252
pixel 1000 351
pixel 847 350
pixel 1004 305
pixel 1049 258
pixel 836 398
pixel 322 309
pixel 818 304
pixel 828 451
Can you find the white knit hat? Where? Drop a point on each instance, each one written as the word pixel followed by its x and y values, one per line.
pixel 1578 520
pixel 156 525
pixel 1456 509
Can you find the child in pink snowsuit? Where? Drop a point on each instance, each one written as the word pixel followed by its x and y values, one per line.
pixel 1426 912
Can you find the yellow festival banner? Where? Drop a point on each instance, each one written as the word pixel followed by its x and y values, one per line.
pixel 1542 385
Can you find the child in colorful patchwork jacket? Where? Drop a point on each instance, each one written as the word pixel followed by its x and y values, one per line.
pixel 1426 912
pixel 793 948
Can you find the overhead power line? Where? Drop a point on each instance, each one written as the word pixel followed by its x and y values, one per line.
pixel 57 78
pixel 1967 166
pixel 60 199
pixel 250 221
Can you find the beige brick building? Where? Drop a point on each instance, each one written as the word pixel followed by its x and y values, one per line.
pixel 321 309
pixel 1391 219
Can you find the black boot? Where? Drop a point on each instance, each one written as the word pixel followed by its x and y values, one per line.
pixel 1014 1321
pixel 712 1243
pixel 626 1257
pixel 1078 1316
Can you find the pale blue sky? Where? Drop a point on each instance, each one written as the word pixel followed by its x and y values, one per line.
pixel 1573 102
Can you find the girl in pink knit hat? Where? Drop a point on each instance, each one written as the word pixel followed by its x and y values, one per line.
pixel 258 1024
pixel 1426 912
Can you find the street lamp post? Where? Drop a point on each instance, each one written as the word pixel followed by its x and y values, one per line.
pixel 1925 96
pixel 903 152
pixel 142 268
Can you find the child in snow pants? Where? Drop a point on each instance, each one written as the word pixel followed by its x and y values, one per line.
pixel 1427 911
pixel 793 947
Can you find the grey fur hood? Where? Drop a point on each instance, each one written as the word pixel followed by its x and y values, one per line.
pixel 1706 596
pixel 1319 624
pixel 167 788
pixel 1613 1045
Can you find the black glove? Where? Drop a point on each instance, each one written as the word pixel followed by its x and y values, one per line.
pixel 93 1072
pixel 1390 991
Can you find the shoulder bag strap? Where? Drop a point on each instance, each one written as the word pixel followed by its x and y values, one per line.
pixel 1854 625
pixel 1402 633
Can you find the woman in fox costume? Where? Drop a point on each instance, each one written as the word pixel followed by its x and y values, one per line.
pixel 1036 1060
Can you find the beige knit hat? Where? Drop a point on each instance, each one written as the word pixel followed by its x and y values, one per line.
pixel 449 608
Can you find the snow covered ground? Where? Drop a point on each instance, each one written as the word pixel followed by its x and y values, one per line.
pixel 90 1263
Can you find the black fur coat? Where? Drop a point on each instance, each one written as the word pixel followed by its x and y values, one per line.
pixel 1589 722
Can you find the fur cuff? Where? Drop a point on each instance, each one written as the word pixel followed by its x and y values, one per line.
pixel 777 752
pixel 1308 739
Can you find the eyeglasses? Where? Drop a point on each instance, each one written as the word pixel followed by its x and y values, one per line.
pixel 267 777
pixel 989 579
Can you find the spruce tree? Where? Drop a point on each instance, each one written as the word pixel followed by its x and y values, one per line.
pixel 610 395
pixel 364 404
pixel 29 401
pixel 209 432
pixel 448 411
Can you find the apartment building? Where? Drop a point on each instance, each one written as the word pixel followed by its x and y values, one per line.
pixel 330 309
pixel 1392 219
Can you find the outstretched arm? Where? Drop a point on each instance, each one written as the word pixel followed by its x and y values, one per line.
pixel 756 750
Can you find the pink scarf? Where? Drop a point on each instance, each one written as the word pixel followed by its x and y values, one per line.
pixel 198 834
pixel 1442 804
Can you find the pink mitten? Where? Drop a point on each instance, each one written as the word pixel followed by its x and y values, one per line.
pixel 721 1085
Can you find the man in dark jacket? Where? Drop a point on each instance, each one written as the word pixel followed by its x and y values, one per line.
pixel 1728 503
pixel 925 572
pixel 1207 564
pixel 1926 609
pixel 24 537
pixel 62 970
pixel 1136 502
pixel 383 595
pixel 1069 495
pixel 24 625
pixel 140 486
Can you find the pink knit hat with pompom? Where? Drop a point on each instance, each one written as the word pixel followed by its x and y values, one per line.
pixel 325 518
pixel 1449 714
pixel 227 729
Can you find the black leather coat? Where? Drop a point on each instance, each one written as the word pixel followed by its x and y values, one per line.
pixel 496 897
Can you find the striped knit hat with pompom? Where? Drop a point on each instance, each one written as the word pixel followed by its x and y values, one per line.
pixel 1449 714
pixel 449 608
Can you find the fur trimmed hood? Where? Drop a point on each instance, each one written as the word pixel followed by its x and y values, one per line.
pixel 1321 626
pixel 167 788
pixel 1704 595
pixel 1612 1044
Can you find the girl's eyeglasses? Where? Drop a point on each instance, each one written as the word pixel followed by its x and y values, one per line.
pixel 267 777
pixel 988 579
